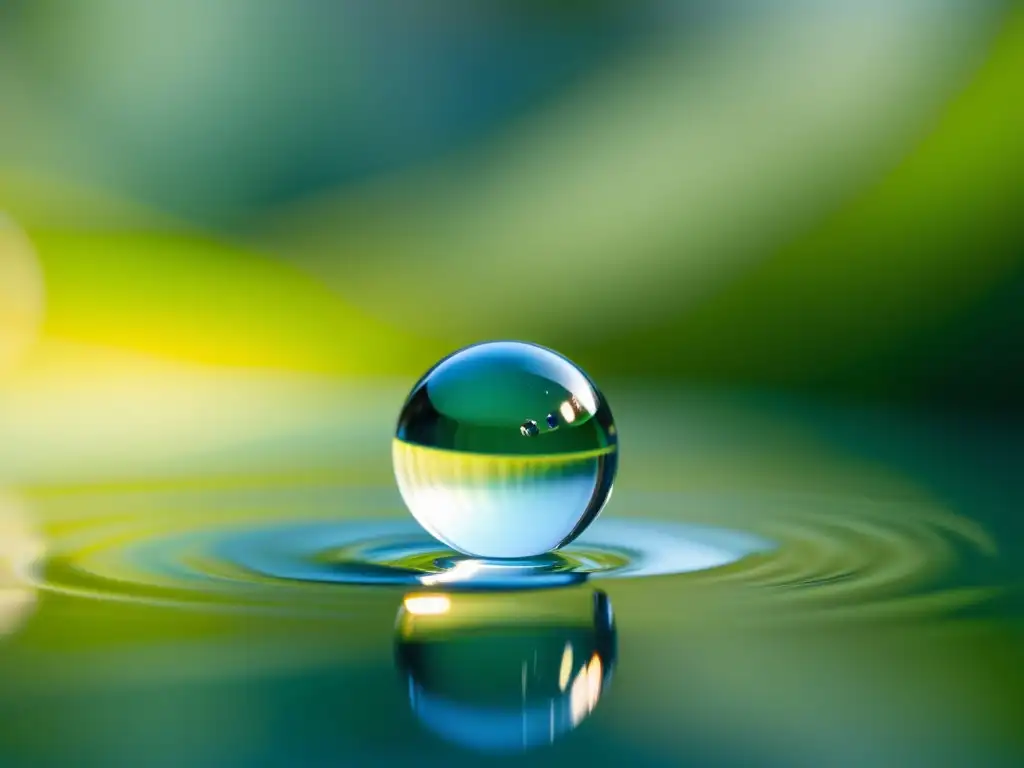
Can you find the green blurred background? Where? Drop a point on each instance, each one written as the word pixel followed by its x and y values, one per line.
pixel 785 237
pixel 820 196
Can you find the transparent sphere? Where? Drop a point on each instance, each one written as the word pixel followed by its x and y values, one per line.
pixel 505 450
pixel 504 673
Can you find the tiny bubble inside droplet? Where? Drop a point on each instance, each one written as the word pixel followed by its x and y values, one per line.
pixel 552 420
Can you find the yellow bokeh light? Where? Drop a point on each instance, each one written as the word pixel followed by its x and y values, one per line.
pixel 427 605
pixel 20 546
pixel 21 293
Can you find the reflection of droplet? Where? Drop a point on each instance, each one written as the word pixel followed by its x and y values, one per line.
pixel 468 678
pixel 20 546
pixel 470 479
pixel 21 293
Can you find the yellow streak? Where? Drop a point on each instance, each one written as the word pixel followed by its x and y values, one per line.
pixel 566 668
pixel 427 605
pixel 556 458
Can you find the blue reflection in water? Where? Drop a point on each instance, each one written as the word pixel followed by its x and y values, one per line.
pixel 505 673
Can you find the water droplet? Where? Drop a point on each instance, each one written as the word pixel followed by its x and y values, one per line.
pixel 472 481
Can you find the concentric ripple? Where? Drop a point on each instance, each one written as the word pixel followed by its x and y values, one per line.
pixel 298 553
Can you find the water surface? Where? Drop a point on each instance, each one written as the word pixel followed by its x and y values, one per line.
pixel 773 583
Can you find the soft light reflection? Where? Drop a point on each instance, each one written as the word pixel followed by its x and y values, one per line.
pixel 566 669
pixel 579 700
pixel 462 570
pixel 21 293
pixel 568 412
pixel 594 680
pixel 427 605
pixel 20 546
pixel 586 689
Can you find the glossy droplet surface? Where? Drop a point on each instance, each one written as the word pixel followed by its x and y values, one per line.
pixel 480 465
